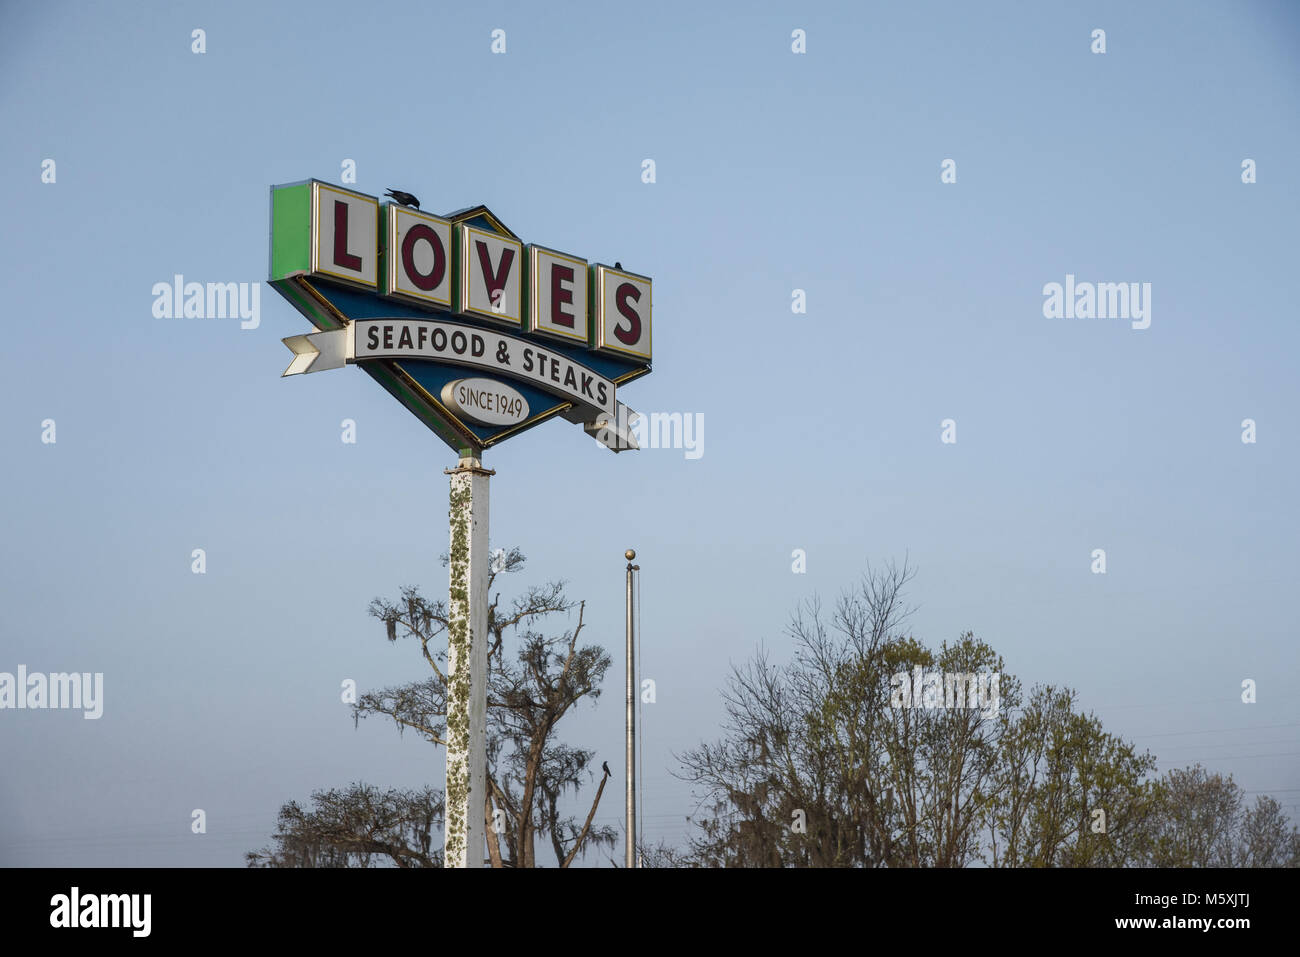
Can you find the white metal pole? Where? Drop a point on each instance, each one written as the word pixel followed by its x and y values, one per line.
pixel 631 722
pixel 467 666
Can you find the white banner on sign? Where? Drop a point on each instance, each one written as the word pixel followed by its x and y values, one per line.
pixel 594 407
pixel 482 349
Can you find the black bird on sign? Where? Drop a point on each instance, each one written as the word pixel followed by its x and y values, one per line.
pixel 406 199
pixel 618 265
pixel 604 766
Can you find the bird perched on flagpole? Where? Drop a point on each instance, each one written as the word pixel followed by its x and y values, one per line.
pixel 604 766
pixel 406 199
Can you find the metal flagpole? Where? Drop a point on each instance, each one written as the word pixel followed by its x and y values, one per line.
pixel 467 666
pixel 631 721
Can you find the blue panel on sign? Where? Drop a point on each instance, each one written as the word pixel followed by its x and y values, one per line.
pixel 432 376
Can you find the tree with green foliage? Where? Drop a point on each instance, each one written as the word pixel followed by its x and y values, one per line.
pixel 817 768
pixel 1067 793
pixel 825 762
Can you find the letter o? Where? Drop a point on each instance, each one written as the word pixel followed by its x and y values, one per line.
pixel 433 278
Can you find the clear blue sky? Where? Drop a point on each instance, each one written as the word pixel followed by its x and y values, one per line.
pixel 775 171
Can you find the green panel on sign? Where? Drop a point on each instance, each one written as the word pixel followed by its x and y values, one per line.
pixel 384 251
pixel 292 291
pixel 290 230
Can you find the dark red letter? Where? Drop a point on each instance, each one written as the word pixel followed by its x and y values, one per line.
pixel 341 255
pixel 498 282
pixel 633 334
pixel 414 235
pixel 560 295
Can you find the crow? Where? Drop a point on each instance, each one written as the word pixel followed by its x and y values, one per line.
pixel 605 767
pixel 618 265
pixel 406 199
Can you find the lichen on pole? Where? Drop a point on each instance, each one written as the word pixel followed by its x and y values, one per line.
pixel 467 665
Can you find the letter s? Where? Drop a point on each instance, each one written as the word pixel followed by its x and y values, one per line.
pixel 632 335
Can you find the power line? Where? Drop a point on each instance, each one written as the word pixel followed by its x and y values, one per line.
pixel 1258 727
pixel 1233 757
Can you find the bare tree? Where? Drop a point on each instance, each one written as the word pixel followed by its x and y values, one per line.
pixel 1202 821
pixel 1266 838
pixel 1198 816
pixel 529 691
pixel 358 826
pixel 534 680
